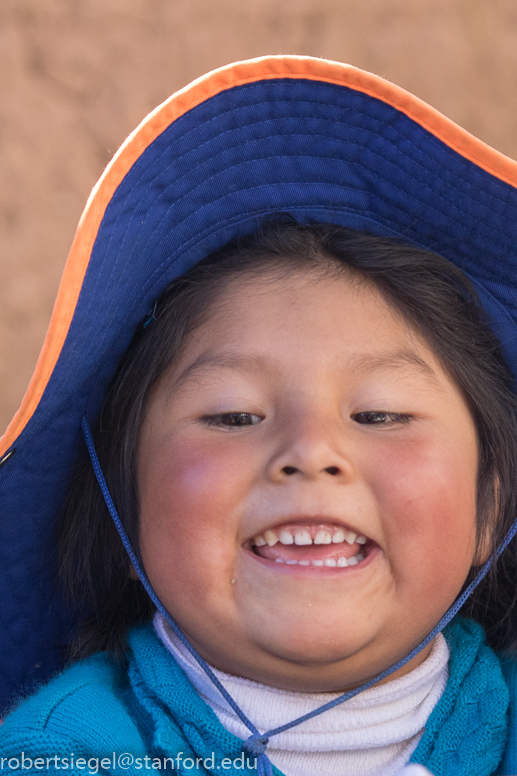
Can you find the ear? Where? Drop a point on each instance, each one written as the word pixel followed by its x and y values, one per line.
pixel 132 573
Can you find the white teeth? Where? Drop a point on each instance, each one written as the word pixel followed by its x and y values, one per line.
pixel 285 537
pixel 302 537
pixel 323 537
pixel 329 562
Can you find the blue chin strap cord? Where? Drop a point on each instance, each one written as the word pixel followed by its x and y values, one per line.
pixel 257 743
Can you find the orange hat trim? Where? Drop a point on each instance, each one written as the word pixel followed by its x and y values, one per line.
pixel 189 97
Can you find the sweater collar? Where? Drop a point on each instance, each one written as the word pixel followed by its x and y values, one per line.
pixel 387 714
pixel 457 739
pixel 466 733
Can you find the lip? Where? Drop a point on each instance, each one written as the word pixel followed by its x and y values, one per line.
pixel 314 571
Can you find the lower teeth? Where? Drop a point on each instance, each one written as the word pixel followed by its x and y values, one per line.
pixel 330 562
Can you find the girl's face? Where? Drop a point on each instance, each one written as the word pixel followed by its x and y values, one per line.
pixel 307 485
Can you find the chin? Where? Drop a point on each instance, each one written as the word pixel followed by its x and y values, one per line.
pixel 314 645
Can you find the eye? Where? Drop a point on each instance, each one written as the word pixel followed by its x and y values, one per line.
pixel 380 418
pixel 232 419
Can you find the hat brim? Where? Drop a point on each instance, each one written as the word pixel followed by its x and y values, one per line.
pixel 320 140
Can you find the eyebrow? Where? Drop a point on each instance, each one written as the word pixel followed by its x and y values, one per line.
pixel 401 359
pixel 365 362
pixel 224 360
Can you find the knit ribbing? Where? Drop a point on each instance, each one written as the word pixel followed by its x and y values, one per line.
pixel 466 733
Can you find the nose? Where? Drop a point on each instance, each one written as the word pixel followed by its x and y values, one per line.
pixel 312 448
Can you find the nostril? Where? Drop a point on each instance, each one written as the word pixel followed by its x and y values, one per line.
pixel 289 469
pixel 332 470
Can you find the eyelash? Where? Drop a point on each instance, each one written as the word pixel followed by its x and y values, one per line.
pixel 217 420
pixel 371 418
pixel 379 417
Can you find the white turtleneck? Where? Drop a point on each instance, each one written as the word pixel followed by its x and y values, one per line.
pixel 373 734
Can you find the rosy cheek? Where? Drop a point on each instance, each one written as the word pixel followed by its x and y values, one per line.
pixel 187 536
pixel 193 487
pixel 427 496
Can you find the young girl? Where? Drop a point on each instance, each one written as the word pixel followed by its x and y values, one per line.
pixel 302 453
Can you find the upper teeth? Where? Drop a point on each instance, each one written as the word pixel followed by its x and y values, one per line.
pixel 271 538
pixel 303 536
pixel 285 537
pixel 339 536
pixel 323 537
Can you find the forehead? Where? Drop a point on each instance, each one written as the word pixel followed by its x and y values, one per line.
pixel 327 318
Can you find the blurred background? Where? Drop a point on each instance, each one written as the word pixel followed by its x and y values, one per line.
pixel 76 76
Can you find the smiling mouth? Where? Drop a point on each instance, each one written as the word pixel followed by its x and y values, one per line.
pixel 321 544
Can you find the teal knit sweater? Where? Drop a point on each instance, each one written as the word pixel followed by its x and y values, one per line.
pixel 99 716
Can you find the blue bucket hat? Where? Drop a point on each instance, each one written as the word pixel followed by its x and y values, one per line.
pixel 321 140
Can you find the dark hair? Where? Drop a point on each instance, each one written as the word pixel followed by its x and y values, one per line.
pixel 433 296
